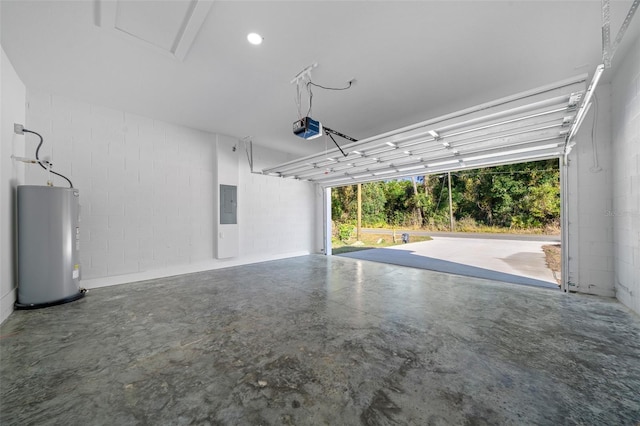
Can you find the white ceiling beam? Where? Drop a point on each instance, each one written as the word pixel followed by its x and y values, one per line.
pixel 190 28
pixel 106 15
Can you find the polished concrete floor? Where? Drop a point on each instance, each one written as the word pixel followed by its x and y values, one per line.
pixel 322 340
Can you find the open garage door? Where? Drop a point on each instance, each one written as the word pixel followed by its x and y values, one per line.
pixel 529 126
pixel 535 125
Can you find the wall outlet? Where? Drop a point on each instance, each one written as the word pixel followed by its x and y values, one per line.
pixel 18 129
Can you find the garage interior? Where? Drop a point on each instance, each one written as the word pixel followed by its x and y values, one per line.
pixel 153 109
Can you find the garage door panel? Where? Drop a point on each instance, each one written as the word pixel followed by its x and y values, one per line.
pixel 528 126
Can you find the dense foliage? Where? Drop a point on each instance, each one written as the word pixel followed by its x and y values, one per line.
pixel 521 196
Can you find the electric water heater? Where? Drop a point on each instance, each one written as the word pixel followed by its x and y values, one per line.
pixel 48 246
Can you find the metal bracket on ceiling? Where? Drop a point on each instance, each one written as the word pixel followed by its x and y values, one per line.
pixel 606 34
pixel 304 74
pixel 609 50
pixel 342 135
pixel 625 25
pixel 331 132
pixel 248 149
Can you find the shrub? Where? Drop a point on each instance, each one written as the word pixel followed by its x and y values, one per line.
pixel 467 224
pixel 345 231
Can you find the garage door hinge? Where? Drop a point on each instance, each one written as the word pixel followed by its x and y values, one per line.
pixel 574 100
pixel 566 121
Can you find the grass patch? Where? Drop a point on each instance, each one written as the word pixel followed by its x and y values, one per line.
pixel 467 225
pixel 371 241
pixel 349 249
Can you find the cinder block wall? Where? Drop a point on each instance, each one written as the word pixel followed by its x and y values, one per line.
pixel 626 177
pixel 268 200
pixel 12 110
pixel 261 232
pixel 148 193
pixel 146 187
pixel 590 221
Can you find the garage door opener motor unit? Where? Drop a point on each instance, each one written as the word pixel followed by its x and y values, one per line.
pixel 307 128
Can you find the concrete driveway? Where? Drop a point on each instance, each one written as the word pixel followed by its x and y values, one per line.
pixel 518 261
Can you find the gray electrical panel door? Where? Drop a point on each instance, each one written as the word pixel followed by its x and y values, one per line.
pixel 228 204
pixel 48 244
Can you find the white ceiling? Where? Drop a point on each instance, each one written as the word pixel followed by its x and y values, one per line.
pixel 412 60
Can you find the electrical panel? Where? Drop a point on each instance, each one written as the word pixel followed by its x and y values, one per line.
pixel 228 204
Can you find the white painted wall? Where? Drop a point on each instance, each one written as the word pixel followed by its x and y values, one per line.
pixel 275 212
pixel 148 191
pixel 590 244
pixel 146 187
pixel 12 110
pixel 626 177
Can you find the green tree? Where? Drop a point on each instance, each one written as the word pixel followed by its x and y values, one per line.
pixel 395 192
pixel 515 195
pixel 373 204
pixel 520 195
pixel 343 200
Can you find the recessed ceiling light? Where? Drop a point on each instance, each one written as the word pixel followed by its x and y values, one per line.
pixel 254 38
